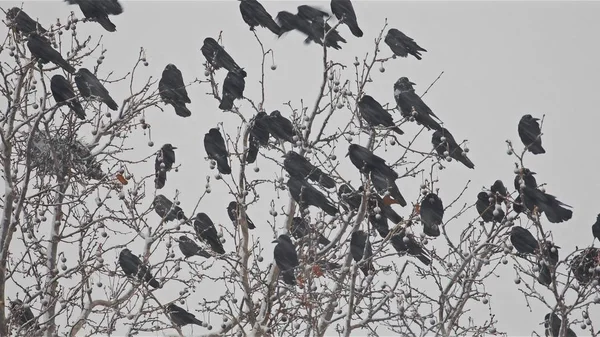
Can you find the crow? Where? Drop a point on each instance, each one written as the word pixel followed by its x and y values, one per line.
pixel 282 128
pixel 218 57
pixel 375 114
pixel 166 210
pixel 344 11
pixel 99 10
pixel 379 222
pixel 233 88
pixel 366 161
pixel 306 195
pixel 319 27
pixel 310 13
pixel 528 179
pixel 214 145
pixel 23 316
pixel 254 14
pixel 172 90
pixel 530 134
pixel 407 99
pixel 517 205
pixel 288 22
pixel 286 258
pixel 349 197
pixel 63 93
pixel 386 209
pixel 232 212
pixel 596 228
pixel 253 146
pixel 499 191
pixel 361 247
pixel 260 128
pixel 383 184
pixel 181 317
pixel 189 248
pixel 443 142
pixel 547 203
pixel 402 45
pixel 405 243
pixel 544 277
pixel 523 241
pixel 300 228
pixel 552 326
pixel 40 48
pixel 432 214
pixel 550 252
pixel 485 208
pixel 165 158
pixel 299 167
pixel 133 267
pixel 206 231
pixel 23 22
pixel 89 86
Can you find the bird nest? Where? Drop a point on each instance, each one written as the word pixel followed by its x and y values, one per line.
pixel 584 265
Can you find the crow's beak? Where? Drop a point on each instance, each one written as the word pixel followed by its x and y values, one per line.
pixel 174 148
pixel 412 83
pixel 531 172
pixel 176 239
pixel 276 241
pixel 347 154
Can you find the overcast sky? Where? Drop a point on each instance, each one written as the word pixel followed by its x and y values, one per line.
pixel 500 60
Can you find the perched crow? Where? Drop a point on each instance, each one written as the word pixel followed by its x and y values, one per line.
pixel 232 212
pixel 319 27
pixel 344 11
pixel 402 45
pixel 359 246
pixel 407 99
pixel 405 243
pixel 288 22
pixel 214 145
pixel 254 14
pixel 23 22
pixel 172 90
pixel 206 231
pixel 547 203
pixel 544 277
pixel 530 134
pixel 383 184
pixel 299 167
pixel 306 195
pixel 499 191
pixel 218 57
pixel 349 197
pixel 310 13
pixel 282 128
pixel 260 128
pixel 42 50
pixel 165 158
pixel 99 10
pixel 189 248
pixel 286 258
pixel 90 87
pixel 63 94
pixel 301 229
pixel 23 316
pixel 443 142
pixel 375 114
pixel 181 317
pixel 379 222
pixel 517 205
pixel 133 267
pixel 552 325
pixel 166 210
pixel 432 214
pixel 253 146
pixel 523 241
pixel 596 228
pixel 528 179
pixel 486 209
pixel 233 88
pixel 366 161
pixel 550 252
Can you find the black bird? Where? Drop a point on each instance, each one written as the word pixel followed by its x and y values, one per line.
pixel 405 243
pixel 349 197
pixel 306 195
pixel 530 134
pixel 42 50
pixel 552 326
pixel 172 90
pixel 301 229
pixel 544 276
pixel 596 228
pixel 383 184
pixel 260 128
pixel 206 231
pixel 344 11
pixel 99 10
pixel 254 14
pixel 432 214
pixel 402 45
pixel 166 210
pixel 22 315
pixel 23 22
pixel 288 22
pixel 214 145
pixel 232 212
pixel 366 161
pixel 550 252
pixel 333 39
pixel 253 146
pixel 517 205
pixel 486 209
pixel 89 86
pixel 547 203
pixel 449 145
pixel 359 245
pixel 233 88
pixel 63 94
pixel 407 99
pixel 133 267
pixel 189 248
pixel 218 57
pixel 375 114
pixel 299 167
pixel 499 191
pixel 165 158
pixel 181 317
pixel 286 258
pixel 310 13
pixel 528 178
pixel 282 128
pixel 523 241
pixel 380 223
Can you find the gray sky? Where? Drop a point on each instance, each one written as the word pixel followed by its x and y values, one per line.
pixel 500 60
